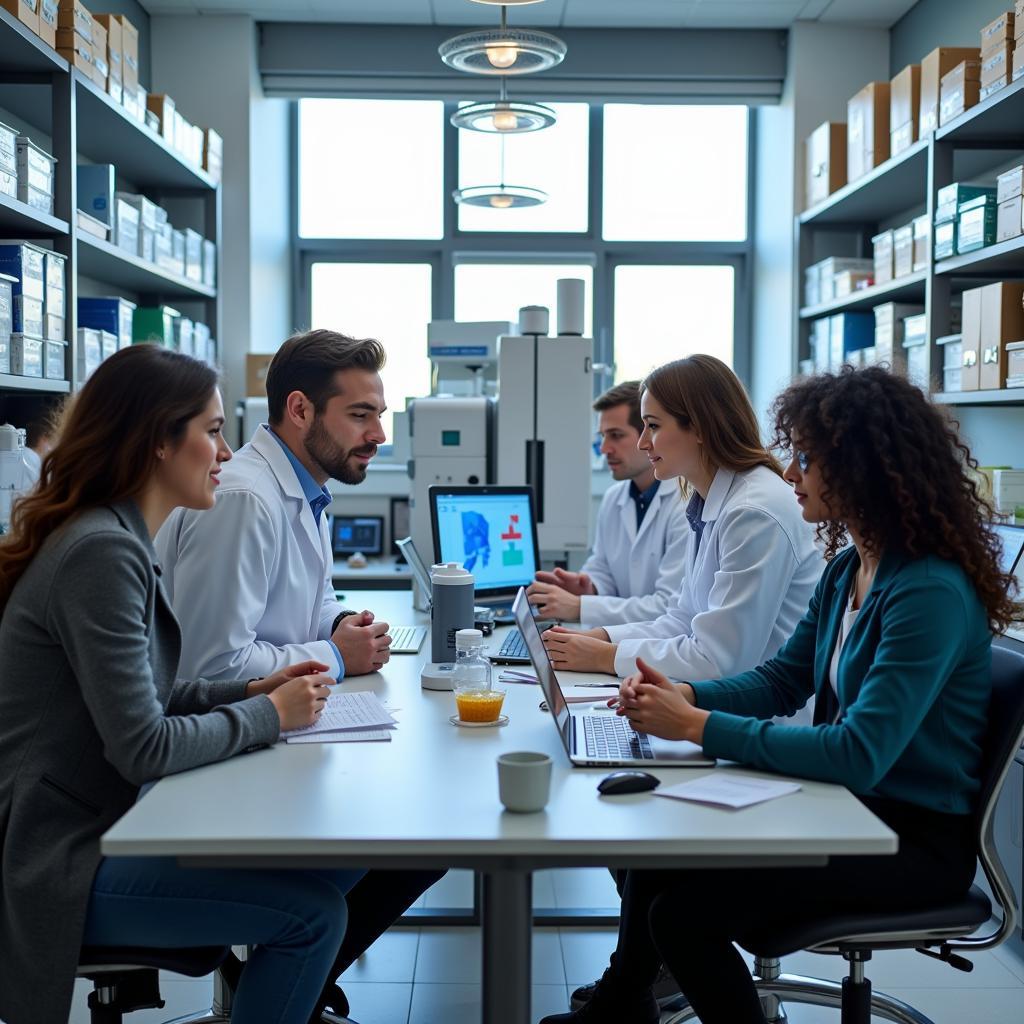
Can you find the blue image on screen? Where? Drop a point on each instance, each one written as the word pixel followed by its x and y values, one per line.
pixel 474 539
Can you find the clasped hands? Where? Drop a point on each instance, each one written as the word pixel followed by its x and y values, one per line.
pixel 658 707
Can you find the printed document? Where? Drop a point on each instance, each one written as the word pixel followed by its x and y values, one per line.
pixel 344 711
pixel 723 789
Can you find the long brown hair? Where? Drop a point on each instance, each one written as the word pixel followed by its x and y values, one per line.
pixel 138 399
pixel 894 463
pixel 702 394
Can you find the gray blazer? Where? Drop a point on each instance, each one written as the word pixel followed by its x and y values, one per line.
pixel 90 709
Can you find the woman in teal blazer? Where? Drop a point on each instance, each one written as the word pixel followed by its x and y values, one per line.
pixel 895 648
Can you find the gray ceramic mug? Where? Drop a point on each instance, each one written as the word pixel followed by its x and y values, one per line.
pixel 524 781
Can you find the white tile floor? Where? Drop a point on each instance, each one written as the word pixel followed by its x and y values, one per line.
pixel 431 975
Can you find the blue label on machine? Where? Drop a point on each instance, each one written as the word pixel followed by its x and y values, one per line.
pixel 459 350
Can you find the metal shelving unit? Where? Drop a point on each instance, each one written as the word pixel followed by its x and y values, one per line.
pixel 970 147
pixel 39 88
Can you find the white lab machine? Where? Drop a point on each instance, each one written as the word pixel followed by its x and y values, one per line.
pixel 464 356
pixel 452 445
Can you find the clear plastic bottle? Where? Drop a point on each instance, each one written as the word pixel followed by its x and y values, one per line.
pixel 475 697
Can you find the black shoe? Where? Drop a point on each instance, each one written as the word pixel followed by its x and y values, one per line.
pixel 665 990
pixel 609 1003
pixel 332 1000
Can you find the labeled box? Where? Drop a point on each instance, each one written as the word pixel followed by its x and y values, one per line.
pixel 193 255
pixel 164 108
pixel 971 339
pixel 904 103
pixel 825 166
pixel 903 251
pixel 55 351
pixel 960 90
pixel 997 65
pixel 25 264
pixel 76 51
pixel 934 67
pixel 90 351
pixel 109 313
pixel 154 324
pixel 54 288
pixel 96 190
pixel 998 31
pixel 26 11
pixel 1015 364
pixel 883 247
pixel 53 327
pixel 867 129
pixel 922 242
pixel 115 60
pixel 8 148
pixel 952 349
pixel 1010 183
pixel 26 355
pixel 108 344
pixel 209 263
pixel 100 67
pixel 991 89
pixel 976 224
pixel 213 154
pixel 129 57
pixel 902 138
pixel 1008 219
pixel 888 341
pixel 830 268
pixel 126 226
pixel 1002 321
pixel 48 21
pixel 74 16
pixel 28 315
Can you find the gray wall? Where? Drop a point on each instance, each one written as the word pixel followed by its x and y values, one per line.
pixel 932 23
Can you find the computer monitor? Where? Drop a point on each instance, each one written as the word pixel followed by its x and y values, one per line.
pixel 350 534
pixel 492 531
pixel 1012 538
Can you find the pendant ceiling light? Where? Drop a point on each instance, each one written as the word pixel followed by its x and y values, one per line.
pixel 504 116
pixel 500 196
pixel 502 51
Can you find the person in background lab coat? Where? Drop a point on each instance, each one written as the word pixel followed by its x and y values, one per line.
pixel 250 579
pixel 636 566
pixel 751 564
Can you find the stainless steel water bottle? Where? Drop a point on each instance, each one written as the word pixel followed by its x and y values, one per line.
pixel 452 608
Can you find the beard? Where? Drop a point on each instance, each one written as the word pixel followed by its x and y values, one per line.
pixel 335 461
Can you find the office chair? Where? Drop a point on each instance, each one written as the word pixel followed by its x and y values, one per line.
pixel 939 932
pixel 126 979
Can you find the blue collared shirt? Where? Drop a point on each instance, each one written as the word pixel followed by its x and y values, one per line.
pixel 319 498
pixel 694 515
pixel 642 500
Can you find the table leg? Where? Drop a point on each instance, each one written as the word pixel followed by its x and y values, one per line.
pixel 506 921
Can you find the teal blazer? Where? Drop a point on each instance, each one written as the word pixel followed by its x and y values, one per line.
pixel 913 681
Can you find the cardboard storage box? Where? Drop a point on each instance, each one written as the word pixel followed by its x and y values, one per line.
pixel 867 129
pixel 976 224
pixel 1002 321
pixel 960 90
pixel 256 366
pixel 1008 219
pixel 999 30
pixel 971 339
pixel 997 65
pixel 26 11
pixel 163 107
pixel 825 165
pixel 889 317
pixel 48 21
pixel 100 67
pixel 990 90
pixel 903 251
pixel 904 103
pixel 115 74
pixel 922 242
pixel 883 256
pixel 74 15
pixel 1018 62
pixel 934 67
pixel 833 266
pixel 129 57
pixel 78 53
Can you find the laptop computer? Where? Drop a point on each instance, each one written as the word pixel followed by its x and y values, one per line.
pixel 598 739
pixel 1012 538
pixel 512 650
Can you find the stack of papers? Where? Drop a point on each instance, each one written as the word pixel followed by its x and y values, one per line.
pixel 723 789
pixel 347 718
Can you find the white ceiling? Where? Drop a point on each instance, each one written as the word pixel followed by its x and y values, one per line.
pixel 557 13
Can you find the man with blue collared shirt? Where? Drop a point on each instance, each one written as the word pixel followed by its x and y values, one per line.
pixel 250 579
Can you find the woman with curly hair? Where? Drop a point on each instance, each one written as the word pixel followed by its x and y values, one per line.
pixel 896 649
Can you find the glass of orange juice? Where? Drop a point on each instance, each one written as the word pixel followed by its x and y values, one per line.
pixel 476 700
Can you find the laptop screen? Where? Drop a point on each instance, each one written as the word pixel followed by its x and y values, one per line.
pixel 1012 538
pixel 419 570
pixel 491 531
pixel 542 666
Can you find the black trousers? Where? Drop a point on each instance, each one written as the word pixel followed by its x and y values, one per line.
pixel 690 919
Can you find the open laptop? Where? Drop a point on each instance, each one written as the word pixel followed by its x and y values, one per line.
pixel 1012 538
pixel 598 739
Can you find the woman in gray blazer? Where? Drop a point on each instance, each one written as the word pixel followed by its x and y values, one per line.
pixel 91 710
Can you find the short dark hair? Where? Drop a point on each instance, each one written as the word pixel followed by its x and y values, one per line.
pixel 307 362
pixel 626 393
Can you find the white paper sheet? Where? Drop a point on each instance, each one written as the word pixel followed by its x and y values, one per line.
pixel 352 736
pixel 358 710
pixel 727 790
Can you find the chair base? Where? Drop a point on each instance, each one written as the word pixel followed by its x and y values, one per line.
pixel 794 988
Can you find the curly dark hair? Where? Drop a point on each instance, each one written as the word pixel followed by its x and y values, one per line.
pixel 894 463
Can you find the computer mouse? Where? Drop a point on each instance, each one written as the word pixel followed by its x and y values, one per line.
pixel 620 783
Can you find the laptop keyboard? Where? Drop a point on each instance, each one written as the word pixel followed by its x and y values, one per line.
pixel 612 737
pixel 407 639
pixel 514 646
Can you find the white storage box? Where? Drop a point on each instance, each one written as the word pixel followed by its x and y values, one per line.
pixel 90 351
pixel 108 344
pixel 26 356
pixel 952 361
pixel 55 359
pixel 126 226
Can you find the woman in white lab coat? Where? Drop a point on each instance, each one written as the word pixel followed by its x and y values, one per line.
pixel 750 565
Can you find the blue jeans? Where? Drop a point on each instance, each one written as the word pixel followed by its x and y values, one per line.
pixel 295 919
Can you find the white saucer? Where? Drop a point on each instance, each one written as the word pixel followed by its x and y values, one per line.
pixel 501 720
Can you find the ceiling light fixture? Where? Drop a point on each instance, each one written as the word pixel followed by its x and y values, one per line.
pixel 501 196
pixel 503 116
pixel 503 50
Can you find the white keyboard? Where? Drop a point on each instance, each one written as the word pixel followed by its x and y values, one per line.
pixel 407 639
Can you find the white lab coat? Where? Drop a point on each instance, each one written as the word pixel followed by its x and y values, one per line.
pixel 637 572
pixel 743 591
pixel 250 579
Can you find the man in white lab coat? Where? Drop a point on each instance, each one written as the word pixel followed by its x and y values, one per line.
pixel 636 566
pixel 250 579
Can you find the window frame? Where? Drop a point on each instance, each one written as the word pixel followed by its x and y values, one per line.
pixel 549 247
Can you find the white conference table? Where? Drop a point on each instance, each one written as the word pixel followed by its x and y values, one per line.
pixel 429 797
